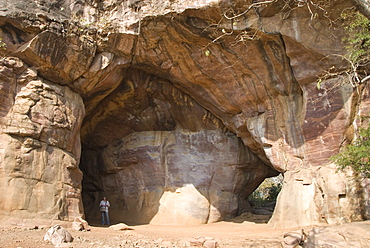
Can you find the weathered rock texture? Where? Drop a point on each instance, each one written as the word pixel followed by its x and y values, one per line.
pixel 171 163
pixel 40 145
pixel 176 177
pixel 347 235
pixel 189 106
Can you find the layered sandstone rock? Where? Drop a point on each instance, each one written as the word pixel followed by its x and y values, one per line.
pixel 170 163
pixel 174 177
pixel 189 105
pixel 40 146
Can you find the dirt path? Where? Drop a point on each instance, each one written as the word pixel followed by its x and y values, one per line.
pixel 227 234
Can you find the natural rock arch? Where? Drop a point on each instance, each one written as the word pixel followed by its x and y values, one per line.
pixel 249 82
pixel 168 160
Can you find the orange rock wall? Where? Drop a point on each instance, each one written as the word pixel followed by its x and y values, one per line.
pixel 113 69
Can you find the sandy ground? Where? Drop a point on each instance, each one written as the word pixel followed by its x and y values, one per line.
pixel 238 232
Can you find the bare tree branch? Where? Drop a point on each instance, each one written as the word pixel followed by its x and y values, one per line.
pixel 258 4
pixel 365 79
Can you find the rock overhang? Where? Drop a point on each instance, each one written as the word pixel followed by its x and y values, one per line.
pixel 244 75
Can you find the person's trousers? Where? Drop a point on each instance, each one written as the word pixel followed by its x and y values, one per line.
pixel 105 218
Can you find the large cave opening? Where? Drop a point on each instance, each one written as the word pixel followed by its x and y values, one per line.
pixel 162 158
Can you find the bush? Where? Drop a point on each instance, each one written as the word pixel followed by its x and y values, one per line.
pixel 358 36
pixel 356 155
pixel 267 192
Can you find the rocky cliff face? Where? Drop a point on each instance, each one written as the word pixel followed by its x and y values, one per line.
pixel 183 109
pixel 40 145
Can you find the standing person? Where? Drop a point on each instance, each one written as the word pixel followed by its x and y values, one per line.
pixel 104 205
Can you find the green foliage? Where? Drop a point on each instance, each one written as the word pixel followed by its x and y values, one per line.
pixel 318 85
pixel 2 45
pixel 273 192
pixel 356 155
pixel 267 192
pixel 2 48
pixel 257 199
pixel 358 39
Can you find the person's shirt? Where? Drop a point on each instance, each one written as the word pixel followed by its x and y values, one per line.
pixel 104 205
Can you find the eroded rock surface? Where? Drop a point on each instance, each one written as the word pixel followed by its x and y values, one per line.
pixel 175 177
pixel 40 146
pixel 189 106
pixel 171 163
pixel 347 235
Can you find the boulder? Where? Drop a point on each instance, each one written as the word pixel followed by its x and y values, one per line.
pixel 58 235
pixel 346 235
pixel 294 239
pixel 204 242
pixel 121 227
pixel 80 224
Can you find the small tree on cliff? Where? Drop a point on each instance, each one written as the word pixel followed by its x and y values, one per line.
pixel 357 27
pixel 357 44
pixel 356 155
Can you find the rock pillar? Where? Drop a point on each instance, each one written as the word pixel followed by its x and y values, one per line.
pixel 39 146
